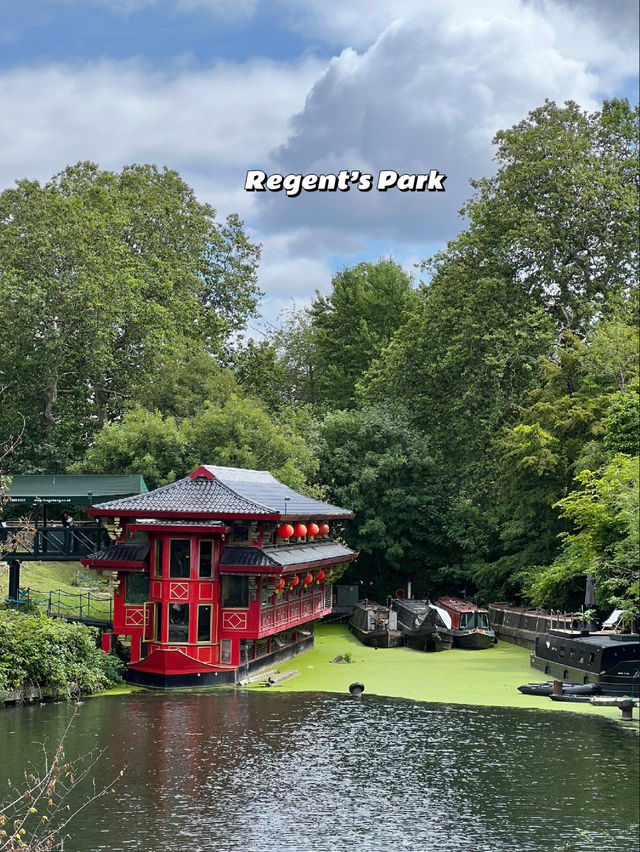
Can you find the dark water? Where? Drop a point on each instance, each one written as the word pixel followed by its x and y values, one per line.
pixel 256 771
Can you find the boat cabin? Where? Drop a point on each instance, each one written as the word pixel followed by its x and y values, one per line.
pixel 218 574
pixel 613 661
pixel 465 615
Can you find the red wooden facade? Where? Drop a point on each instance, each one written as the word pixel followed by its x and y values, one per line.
pixel 208 589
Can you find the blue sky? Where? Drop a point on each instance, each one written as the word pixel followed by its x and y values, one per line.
pixel 213 88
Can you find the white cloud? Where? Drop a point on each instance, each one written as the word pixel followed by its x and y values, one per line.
pixel 430 93
pixel 211 124
pixel 414 85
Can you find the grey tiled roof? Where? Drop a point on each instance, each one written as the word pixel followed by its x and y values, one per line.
pixel 231 491
pixel 285 557
pixel 188 495
pixel 121 553
pixel 246 556
pixel 263 488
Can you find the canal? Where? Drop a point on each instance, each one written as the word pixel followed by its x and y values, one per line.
pixel 258 771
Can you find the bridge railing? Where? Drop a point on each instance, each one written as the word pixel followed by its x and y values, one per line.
pixel 83 606
pixel 56 542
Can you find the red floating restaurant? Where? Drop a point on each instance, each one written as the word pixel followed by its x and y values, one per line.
pixel 219 574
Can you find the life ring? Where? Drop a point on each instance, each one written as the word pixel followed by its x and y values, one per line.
pixel 399 593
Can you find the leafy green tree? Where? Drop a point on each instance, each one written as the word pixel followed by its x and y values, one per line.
pixel 622 423
pixel 351 326
pixel 241 433
pixel 377 464
pixel 560 214
pixel 603 542
pixel 103 278
pixel 143 442
pixel 324 350
pixel 234 431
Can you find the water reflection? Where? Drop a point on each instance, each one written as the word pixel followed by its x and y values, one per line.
pixel 244 771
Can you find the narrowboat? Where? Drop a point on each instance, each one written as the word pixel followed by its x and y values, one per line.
pixel 425 626
pixel 375 625
pixel 610 660
pixel 469 623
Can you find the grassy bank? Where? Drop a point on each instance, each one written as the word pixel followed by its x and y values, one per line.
pixel 44 576
pixel 488 678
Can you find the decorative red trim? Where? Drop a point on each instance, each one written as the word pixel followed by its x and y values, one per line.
pixel 179 528
pixel 99 564
pixel 239 516
pixel 201 471
pixel 210 516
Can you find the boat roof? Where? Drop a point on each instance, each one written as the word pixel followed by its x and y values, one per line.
pixel 600 640
pixel 419 607
pixel 459 605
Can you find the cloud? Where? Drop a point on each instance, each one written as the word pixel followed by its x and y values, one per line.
pixel 412 86
pixel 429 93
pixel 211 124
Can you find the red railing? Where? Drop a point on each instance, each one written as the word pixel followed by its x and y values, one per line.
pixel 293 611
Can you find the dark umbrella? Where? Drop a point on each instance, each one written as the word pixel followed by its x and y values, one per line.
pixel 589 593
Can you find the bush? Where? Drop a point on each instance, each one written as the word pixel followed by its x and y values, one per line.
pixel 51 654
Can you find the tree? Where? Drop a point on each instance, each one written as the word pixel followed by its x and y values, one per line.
pixel 604 541
pixel 104 277
pixel 560 214
pixel 324 350
pixel 352 325
pixel 234 431
pixel 376 463
pixel 549 255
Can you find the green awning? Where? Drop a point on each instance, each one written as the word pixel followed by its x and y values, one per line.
pixel 74 490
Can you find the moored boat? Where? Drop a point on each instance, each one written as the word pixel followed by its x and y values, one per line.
pixel 546 688
pixel 610 660
pixel 425 626
pixel 469 623
pixel 375 625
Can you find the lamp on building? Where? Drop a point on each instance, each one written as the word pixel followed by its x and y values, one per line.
pixel 285 530
pixel 312 529
pixel 320 576
pixel 308 579
pixel 324 529
pixel 299 531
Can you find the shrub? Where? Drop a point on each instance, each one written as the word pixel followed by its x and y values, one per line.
pixel 51 654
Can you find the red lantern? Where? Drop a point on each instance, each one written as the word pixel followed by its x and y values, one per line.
pixel 324 529
pixel 320 577
pixel 280 585
pixel 308 579
pixel 313 529
pixel 285 531
pixel 294 581
pixel 299 530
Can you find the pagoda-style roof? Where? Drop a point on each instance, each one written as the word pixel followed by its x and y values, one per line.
pixel 277 560
pixel 132 556
pixel 211 491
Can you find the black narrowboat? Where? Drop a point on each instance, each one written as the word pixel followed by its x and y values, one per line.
pixel 610 660
pixel 469 623
pixel 375 625
pixel 425 626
